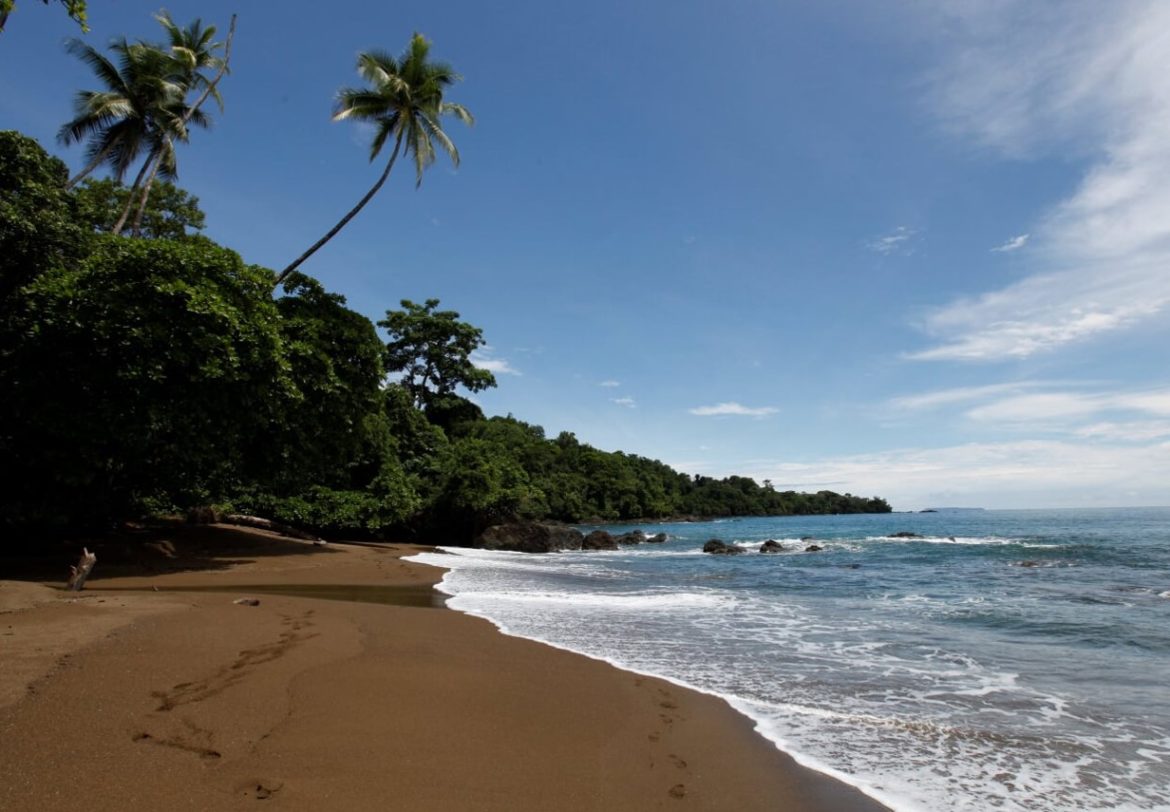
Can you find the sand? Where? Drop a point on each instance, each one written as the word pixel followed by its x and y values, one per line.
pixel 348 687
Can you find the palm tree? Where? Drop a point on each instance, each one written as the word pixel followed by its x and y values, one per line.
pixel 118 121
pixel 405 101
pixel 192 51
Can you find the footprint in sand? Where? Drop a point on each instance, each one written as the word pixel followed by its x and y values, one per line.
pixel 677 791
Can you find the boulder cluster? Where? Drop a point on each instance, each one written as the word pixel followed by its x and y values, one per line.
pixel 538 537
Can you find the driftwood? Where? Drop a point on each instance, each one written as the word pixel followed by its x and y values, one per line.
pixel 268 524
pixel 79 572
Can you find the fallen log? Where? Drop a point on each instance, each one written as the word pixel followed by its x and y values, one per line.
pixel 268 524
pixel 80 571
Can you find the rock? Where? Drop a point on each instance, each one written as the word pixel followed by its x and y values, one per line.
pixel 904 534
pixel 657 538
pixel 599 540
pixel 771 546
pixel 717 547
pixel 202 515
pixel 813 548
pixel 633 537
pixel 247 601
pixel 530 537
pixel 1029 563
pixel 807 538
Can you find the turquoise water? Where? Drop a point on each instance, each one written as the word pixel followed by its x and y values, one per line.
pixel 1014 660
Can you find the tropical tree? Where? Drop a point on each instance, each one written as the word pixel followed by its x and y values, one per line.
pixel 118 122
pixel 144 104
pixel 405 103
pixel 192 51
pixel 431 349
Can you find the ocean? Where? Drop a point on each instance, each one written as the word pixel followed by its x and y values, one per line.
pixel 1007 660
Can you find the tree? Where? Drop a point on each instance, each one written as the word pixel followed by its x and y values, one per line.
pixel 405 101
pixel 119 121
pixel 192 50
pixel 75 9
pixel 170 214
pixel 37 227
pixel 432 350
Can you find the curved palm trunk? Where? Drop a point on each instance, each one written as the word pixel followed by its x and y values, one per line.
pixel 352 213
pixel 136 229
pixel 94 164
pixel 150 160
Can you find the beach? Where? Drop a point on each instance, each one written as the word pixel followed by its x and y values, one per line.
pixel 347 686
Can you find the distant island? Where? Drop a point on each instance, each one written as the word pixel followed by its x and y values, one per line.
pixel 949 509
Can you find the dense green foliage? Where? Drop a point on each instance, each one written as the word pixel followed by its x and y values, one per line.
pixel 159 373
pixel 168 215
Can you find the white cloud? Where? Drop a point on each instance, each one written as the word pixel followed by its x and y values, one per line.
pixel 1017 474
pixel 733 408
pixel 498 366
pixel 1080 78
pixel 1055 408
pixel 1133 431
pixel 611 384
pixel 896 241
pixel 1014 244
pixel 946 397
pixel 628 402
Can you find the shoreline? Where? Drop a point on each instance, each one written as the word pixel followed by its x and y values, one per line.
pixel 182 698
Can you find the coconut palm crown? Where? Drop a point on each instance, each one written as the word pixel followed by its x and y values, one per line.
pixel 404 102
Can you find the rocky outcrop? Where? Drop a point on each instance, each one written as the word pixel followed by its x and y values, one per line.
pixel 904 534
pixel 530 537
pixel 599 540
pixel 813 548
pixel 717 547
pixel 633 537
pixel 657 538
pixel 771 546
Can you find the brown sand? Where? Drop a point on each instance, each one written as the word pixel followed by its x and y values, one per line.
pixel 127 698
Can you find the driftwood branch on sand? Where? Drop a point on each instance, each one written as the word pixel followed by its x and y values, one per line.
pixel 80 571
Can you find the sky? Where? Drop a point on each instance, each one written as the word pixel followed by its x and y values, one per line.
pixel 915 249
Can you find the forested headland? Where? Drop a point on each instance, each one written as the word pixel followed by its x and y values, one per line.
pixel 145 369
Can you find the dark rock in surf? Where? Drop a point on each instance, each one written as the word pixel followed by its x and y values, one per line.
pixel 771 546
pixel 633 537
pixel 717 547
pixel 813 548
pixel 904 534
pixel 599 540
pixel 657 538
pixel 530 537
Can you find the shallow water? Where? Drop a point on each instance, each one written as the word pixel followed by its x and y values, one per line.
pixel 1014 660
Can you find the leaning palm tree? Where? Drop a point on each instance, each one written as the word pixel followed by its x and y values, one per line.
pixel 405 101
pixel 117 122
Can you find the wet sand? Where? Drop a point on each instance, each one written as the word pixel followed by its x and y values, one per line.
pixel 347 687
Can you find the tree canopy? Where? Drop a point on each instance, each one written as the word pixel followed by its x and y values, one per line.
pixel 431 349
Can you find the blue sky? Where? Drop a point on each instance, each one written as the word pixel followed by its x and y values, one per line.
pixel 913 249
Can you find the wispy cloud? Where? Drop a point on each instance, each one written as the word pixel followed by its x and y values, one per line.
pixel 611 384
pixel 1083 78
pixel 733 409
pixel 1014 244
pixel 897 241
pixel 628 402
pixel 483 359
pixel 963 394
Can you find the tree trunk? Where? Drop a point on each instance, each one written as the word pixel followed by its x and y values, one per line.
pixel 78 573
pixel 136 229
pixel 352 213
pixel 121 224
pixel 94 164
